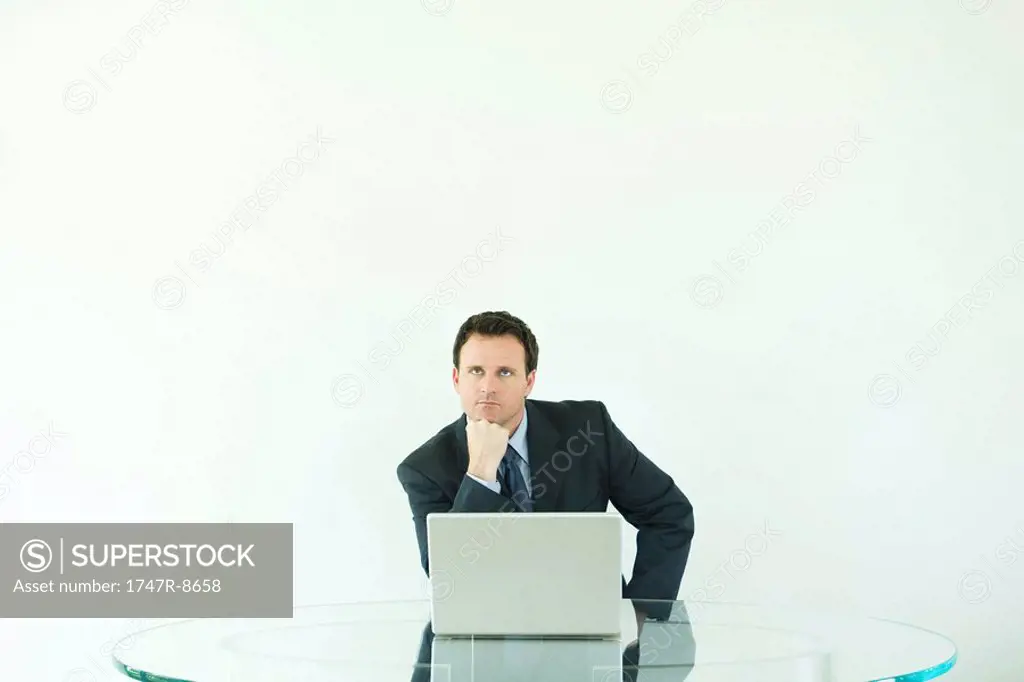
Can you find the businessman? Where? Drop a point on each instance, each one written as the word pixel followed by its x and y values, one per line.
pixel 511 453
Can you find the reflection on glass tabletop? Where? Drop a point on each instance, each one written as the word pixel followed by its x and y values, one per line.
pixel 692 640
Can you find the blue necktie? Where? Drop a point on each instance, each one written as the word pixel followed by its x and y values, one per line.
pixel 513 486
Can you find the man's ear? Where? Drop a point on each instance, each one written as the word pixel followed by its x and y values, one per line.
pixel 455 378
pixel 531 378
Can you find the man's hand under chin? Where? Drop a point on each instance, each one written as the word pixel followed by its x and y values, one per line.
pixel 487 443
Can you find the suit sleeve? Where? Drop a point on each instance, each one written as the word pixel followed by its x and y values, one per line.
pixel 650 501
pixel 427 497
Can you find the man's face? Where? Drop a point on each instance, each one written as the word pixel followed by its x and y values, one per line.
pixel 491 379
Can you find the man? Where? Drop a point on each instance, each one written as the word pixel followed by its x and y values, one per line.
pixel 511 453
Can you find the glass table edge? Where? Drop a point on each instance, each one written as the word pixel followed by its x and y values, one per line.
pixel 141 675
pixel 919 676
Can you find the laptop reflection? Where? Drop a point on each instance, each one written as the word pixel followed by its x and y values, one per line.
pixel 665 650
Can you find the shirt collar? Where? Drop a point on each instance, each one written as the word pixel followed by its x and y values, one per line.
pixel 518 439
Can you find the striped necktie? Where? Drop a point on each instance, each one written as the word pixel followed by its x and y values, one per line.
pixel 513 486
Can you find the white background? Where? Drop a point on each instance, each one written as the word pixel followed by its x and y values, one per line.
pixel 621 188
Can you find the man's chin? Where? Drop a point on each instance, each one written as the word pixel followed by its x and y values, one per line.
pixel 490 413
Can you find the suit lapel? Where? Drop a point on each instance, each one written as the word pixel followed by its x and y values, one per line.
pixel 462 451
pixel 542 441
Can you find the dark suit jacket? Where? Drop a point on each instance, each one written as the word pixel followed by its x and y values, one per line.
pixel 579 462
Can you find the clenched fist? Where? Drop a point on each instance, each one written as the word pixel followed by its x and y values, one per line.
pixel 488 443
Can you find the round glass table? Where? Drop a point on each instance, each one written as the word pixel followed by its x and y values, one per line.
pixel 393 641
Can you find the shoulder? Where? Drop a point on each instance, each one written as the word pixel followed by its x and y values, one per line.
pixel 567 413
pixel 431 452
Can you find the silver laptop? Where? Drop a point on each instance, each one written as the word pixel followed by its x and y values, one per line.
pixel 525 574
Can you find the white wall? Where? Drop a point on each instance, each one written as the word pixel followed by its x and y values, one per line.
pixel 622 189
